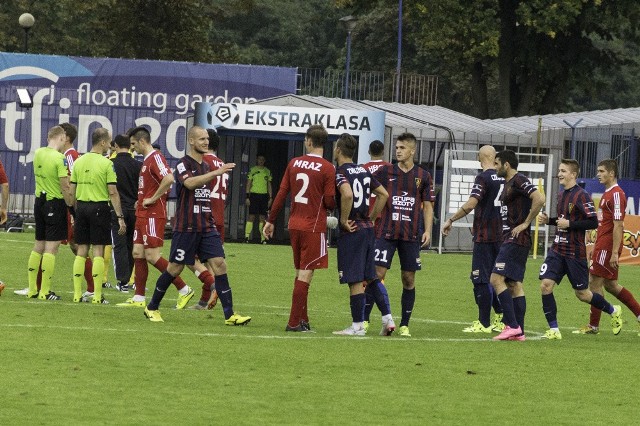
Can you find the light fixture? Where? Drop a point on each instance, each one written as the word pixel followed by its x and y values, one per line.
pixel 24 98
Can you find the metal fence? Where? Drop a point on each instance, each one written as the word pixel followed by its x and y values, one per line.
pixel 417 89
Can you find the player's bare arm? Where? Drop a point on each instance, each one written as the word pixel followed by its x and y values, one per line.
pixel 346 202
pixel 115 203
pixel 194 182
pixel 537 202
pixel 164 186
pixel 618 232
pixel 427 212
pixel 381 197
pixel 466 208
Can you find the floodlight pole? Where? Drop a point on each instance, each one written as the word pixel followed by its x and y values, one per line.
pixel 349 23
pixel 399 62
pixel 26 21
pixel 573 136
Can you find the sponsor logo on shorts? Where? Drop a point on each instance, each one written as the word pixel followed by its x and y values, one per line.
pixel 500 266
pixel 475 273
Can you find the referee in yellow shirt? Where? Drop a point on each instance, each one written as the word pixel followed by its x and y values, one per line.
pixel 259 197
pixel 93 185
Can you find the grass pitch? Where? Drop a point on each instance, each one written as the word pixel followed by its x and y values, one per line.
pixel 66 363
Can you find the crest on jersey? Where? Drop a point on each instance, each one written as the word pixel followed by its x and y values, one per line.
pixel 570 207
pixel 418 181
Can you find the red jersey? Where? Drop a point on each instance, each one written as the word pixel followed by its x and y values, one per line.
pixel 373 166
pixel 219 190
pixel 612 208
pixel 311 181
pixel 154 168
pixel 71 155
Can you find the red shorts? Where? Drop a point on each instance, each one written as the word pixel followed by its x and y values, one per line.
pixel 69 230
pixel 309 250
pixel 149 231
pixel 600 265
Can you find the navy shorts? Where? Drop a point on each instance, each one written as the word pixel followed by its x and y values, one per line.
pixel 93 223
pixel 408 251
pixel 186 245
pixel 556 266
pixel 51 219
pixel 484 257
pixel 356 261
pixel 511 262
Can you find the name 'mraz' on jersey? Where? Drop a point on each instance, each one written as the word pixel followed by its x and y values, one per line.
pixel 612 207
pixel 487 216
pixel 362 183
pixel 154 168
pixel 311 181
pixel 193 209
pixel 373 167
pixel 573 204
pixel 402 216
pixel 516 201
pixel 219 190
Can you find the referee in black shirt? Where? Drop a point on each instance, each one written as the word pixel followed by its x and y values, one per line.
pixel 127 170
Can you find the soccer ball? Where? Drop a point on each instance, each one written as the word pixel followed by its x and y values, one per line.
pixel 332 222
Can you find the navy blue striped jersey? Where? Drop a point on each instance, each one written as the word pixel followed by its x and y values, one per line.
pixel 193 208
pixel 487 217
pixel 573 204
pixel 402 217
pixel 516 201
pixel 362 184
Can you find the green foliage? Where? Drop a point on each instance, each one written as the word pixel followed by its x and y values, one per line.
pixel 80 364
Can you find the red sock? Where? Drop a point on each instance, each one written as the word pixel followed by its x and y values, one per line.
pixel 594 317
pixel 39 279
pixel 161 265
pixel 207 282
pixel 88 275
pixel 140 275
pixel 630 302
pixel 298 303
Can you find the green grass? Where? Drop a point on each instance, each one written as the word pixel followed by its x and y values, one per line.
pixel 66 363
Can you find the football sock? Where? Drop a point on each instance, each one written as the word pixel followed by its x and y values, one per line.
pixel 550 310
pixel 78 270
pixel 300 292
pixel 184 290
pixel 495 302
pixel 48 266
pixel 33 266
pixel 163 283
pixel 225 295
pixel 356 302
pixel 88 274
pixel 594 317
pixel 369 302
pixel 483 300
pixel 381 297
pixel 520 309
pixel 305 299
pixel 105 272
pixel 161 265
pixel 599 302
pixel 98 271
pixel 509 316
pixel 630 302
pixel 206 279
pixel 260 228
pixel 141 274
pixel 407 301
pixel 248 228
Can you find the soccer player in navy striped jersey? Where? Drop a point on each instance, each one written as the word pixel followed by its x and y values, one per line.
pixel 568 255
pixel 487 230
pixel 356 261
pixel 194 231
pixel 409 209
pixel 522 202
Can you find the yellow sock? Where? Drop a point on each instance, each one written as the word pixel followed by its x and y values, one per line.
pixel 248 228
pixel 78 275
pixel 98 271
pixel 48 266
pixel 106 258
pixel 32 272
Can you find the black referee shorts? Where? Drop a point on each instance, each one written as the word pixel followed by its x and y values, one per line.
pixel 259 204
pixel 93 223
pixel 51 219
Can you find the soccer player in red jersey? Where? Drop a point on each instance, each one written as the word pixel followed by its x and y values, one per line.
pixel 603 271
pixel 151 217
pixel 311 181
pixel 484 201
pixel 194 231
pixel 567 256
pixel 410 205
pixel 522 202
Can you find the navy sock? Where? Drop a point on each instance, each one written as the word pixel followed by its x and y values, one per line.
pixel 509 316
pixel 357 307
pixel 550 310
pixel 407 302
pixel 519 309
pixel 495 302
pixel 369 302
pixel 163 283
pixel 483 300
pixel 225 295
pixel 380 296
pixel 599 302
